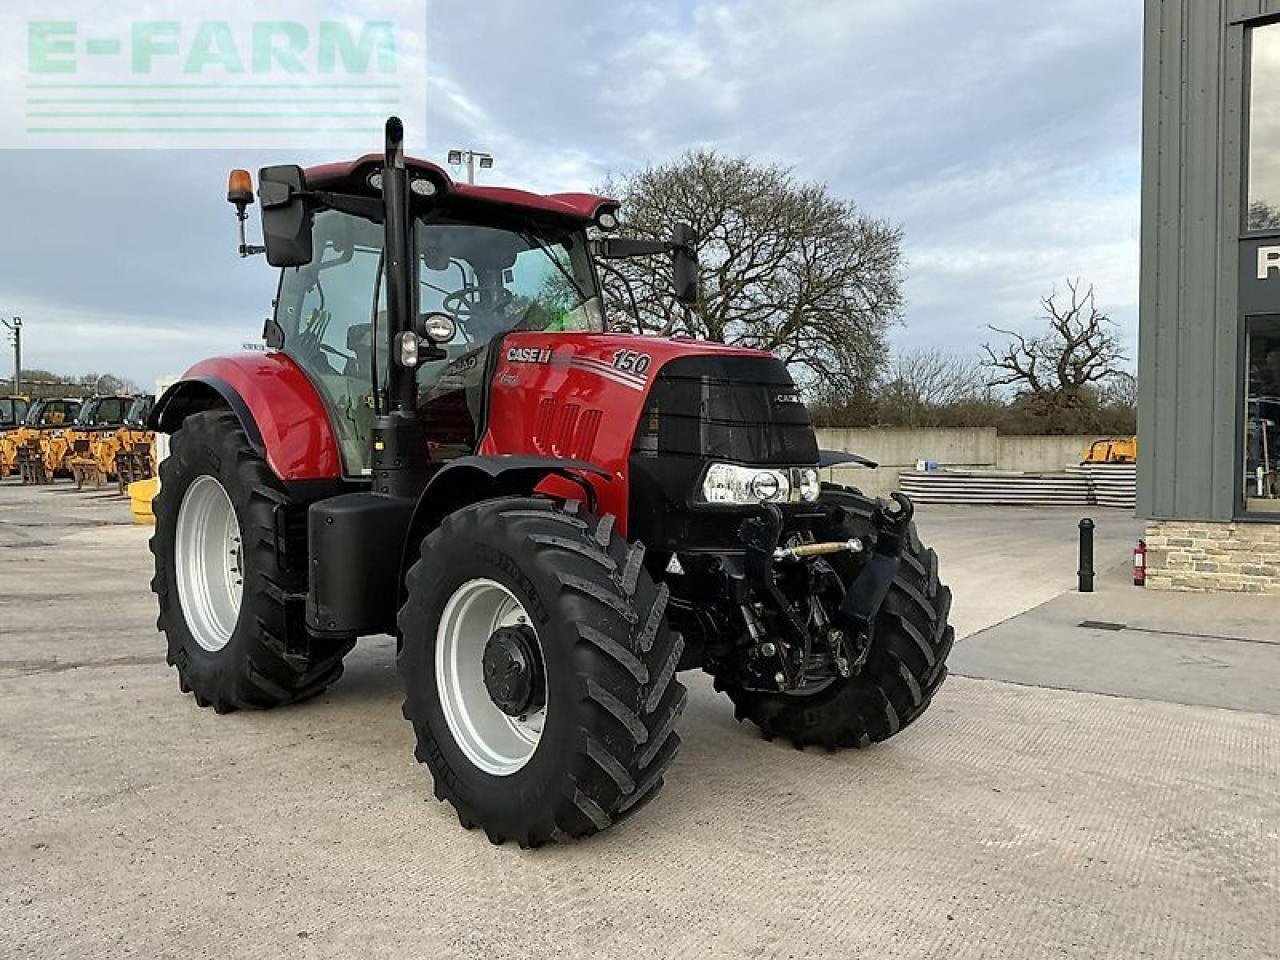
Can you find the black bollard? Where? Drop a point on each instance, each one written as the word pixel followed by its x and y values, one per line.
pixel 1086 556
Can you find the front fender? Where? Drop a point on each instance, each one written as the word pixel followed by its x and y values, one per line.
pixel 833 458
pixel 281 412
pixel 468 480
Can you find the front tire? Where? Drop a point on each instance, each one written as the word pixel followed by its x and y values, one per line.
pixel 232 614
pixel 589 740
pixel 905 665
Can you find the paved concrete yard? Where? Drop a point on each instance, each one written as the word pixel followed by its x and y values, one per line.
pixel 1015 820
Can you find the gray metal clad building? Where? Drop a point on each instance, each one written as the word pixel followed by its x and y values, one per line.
pixel 1209 342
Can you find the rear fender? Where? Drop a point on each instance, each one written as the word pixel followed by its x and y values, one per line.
pixel 196 395
pixel 280 411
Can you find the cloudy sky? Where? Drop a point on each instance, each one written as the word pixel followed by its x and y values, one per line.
pixel 1003 136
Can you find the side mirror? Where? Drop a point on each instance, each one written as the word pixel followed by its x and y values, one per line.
pixel 286 218
pixel 684 263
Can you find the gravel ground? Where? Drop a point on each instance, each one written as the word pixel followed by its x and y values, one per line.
pixel 1014 820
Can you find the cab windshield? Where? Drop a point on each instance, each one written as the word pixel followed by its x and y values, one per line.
pixel 496 280
pixel 102 412
pixel 53 413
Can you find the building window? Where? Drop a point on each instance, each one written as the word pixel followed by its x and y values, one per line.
pixel 1262 417
pixel 1264 129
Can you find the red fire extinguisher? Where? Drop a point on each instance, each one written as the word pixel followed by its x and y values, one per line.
pixel 1140 564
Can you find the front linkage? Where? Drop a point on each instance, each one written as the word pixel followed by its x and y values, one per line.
pixel 822 641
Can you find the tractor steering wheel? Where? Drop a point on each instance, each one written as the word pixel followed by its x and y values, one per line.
pixel 465 302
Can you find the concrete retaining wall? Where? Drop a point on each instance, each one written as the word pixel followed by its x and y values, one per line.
pixel 1040 454
pixel 976 448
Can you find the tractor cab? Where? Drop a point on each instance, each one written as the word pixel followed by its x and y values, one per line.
pixel 479 279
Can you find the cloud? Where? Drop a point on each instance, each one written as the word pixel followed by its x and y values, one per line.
pixel 1003 137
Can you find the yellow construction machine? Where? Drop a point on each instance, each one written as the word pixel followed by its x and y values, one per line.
pixel 133 444
pixel 13 411
pixel 39 439
pixel 1112 450
pixel 88 449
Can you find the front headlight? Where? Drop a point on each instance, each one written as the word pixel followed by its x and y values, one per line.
pixel 809 484
pixel 729 483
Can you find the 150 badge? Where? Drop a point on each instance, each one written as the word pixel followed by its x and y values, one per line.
pixel 632 361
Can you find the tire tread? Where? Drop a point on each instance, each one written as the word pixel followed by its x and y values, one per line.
pixel 623 650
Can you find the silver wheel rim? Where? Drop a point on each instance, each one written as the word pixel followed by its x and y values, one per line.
pixel 492 740
pixel 209 562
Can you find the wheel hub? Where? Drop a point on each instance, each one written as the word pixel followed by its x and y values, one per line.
pixel 484 632
pixel 512 670
pixel 209 563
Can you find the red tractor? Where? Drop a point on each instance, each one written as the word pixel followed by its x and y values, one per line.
pixel 443 442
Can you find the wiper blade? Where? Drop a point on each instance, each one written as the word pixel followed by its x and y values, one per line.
pixel 530 237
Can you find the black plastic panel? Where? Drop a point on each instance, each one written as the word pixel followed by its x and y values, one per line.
pixel 355 546
pixel 740 409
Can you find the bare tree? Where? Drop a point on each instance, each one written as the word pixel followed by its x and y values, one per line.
pixel 106 383
pixel 934 378
pixel 930 388
pixel 1120 390
pixel 1263 216
pixel 785 267
pixel 1057 368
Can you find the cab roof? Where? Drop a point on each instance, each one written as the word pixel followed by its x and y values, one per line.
pixel 353 175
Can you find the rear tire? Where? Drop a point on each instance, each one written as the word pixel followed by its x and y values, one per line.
pixel 245 653
pixel 905 665
pixel 608 664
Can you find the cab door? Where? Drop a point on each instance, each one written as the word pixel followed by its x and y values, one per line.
pixel 330 313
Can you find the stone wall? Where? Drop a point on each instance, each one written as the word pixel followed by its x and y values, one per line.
pixel 1202 555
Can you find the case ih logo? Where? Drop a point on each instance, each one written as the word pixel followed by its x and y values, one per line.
pixel 529 355
pixel 193 73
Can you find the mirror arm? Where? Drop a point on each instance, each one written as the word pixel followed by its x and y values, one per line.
pixel 246 248
pixel 622 248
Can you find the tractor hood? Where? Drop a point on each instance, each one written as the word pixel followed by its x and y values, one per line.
pixel 621 401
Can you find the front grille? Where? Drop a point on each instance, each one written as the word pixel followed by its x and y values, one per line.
pixel 740 409
pixel 700 410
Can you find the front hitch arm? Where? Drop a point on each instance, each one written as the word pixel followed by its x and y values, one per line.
pixel 760 536
pixel 865 595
